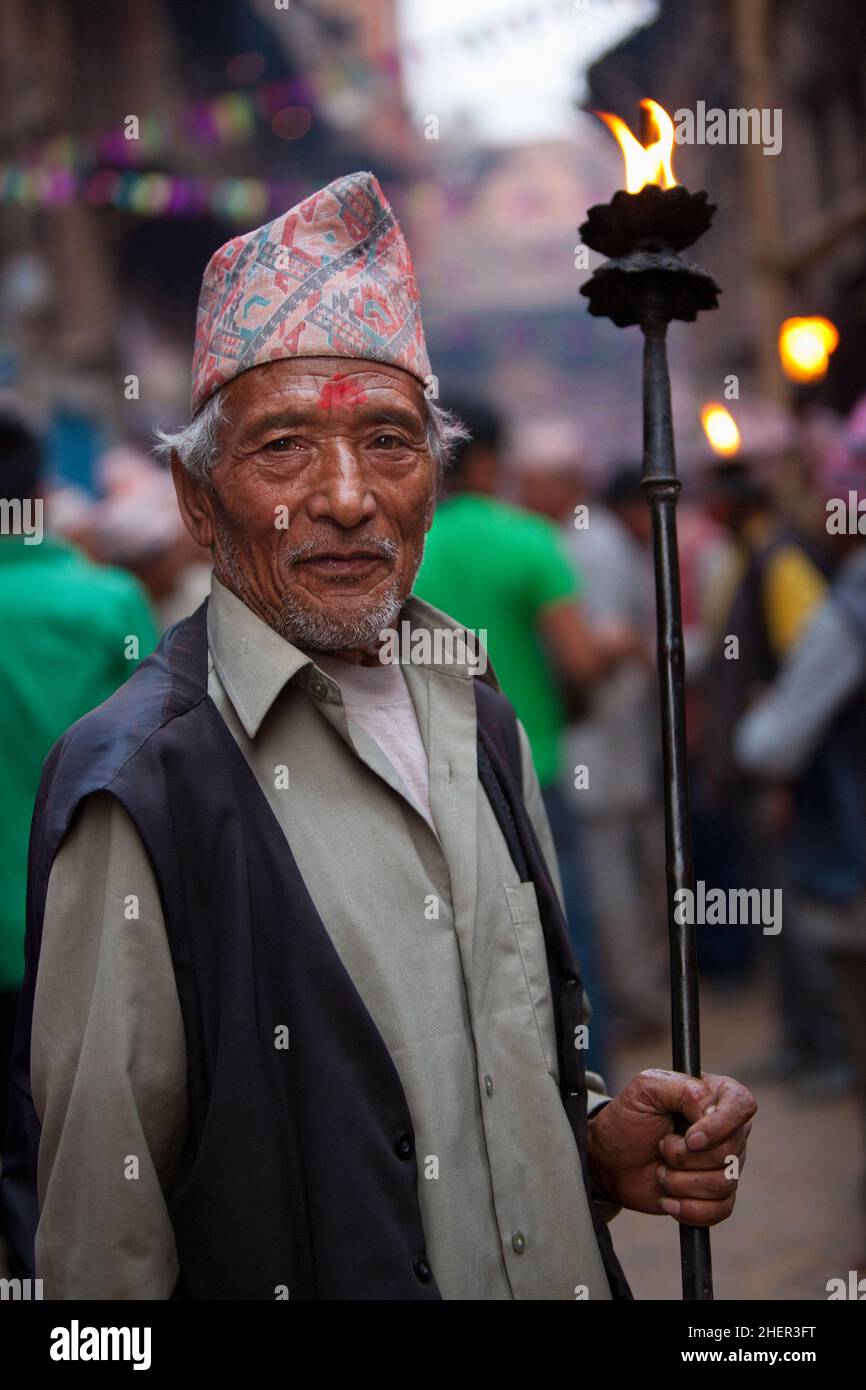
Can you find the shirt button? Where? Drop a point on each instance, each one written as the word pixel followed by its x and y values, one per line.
pixel 403 1146
pixel 422 1269
pixel 518 1242
pixel 488 1085
pixel 318 688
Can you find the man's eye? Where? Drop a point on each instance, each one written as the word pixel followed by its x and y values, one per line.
pixel 388 441
pixel 284 442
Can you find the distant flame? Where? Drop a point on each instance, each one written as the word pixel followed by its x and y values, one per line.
pixel 721 430
pixel 650 164
pixel 805 346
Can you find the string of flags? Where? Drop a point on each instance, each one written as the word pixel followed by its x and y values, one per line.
pixel 150 194
pixel 67 168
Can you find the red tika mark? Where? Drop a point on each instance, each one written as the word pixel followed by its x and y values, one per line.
pixel 341 390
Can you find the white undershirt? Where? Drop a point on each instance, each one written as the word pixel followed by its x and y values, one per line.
pixel 377 699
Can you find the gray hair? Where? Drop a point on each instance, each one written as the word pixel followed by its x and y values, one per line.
pixel 197 444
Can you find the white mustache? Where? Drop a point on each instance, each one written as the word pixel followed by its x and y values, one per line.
pixel 378 545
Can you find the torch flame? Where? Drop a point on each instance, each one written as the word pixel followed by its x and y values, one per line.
pixel 650 163
pixel 805 346
pixel 721 430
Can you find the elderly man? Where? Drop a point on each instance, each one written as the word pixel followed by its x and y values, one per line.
pixel 305 1021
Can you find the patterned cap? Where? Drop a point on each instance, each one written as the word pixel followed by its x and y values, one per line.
pixel 331 277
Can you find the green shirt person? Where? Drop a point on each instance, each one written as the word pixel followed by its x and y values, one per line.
pixel 497 568
pixel 72 633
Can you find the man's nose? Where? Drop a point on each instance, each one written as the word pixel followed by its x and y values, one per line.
pixel 342 493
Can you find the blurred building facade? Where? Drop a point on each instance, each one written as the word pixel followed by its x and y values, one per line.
pixel 97 287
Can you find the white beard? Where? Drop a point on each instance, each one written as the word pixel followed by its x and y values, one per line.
pixel 309 624
pixel 317 628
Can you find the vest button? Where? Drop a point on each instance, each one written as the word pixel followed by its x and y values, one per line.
pixel 403 1146
pixel 422 1269
pixel 488 1085
pixel 570 981
pixel 518 1242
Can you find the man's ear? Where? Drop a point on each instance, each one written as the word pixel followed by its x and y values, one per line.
pixel 194 503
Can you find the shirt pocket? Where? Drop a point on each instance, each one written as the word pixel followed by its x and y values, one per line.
pixel 529 936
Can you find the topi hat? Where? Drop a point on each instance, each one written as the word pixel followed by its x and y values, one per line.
pixel 332 277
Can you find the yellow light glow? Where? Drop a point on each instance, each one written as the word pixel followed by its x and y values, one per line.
pixel 721 430
pixel 805 346
pixel 650 163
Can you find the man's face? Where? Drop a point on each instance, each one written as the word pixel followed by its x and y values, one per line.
pixel 319 504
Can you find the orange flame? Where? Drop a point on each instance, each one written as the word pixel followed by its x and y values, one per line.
pixel 650 163
pixel 721 430
pixel 805 346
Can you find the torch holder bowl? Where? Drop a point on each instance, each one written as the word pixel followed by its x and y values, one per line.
pixel 644 233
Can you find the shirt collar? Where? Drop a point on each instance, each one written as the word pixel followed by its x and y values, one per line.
pixel 254 663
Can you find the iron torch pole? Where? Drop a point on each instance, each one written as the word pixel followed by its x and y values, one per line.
pixel 661 488
pixel 649 283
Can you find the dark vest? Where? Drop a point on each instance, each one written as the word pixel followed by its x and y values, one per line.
pixel 299 1168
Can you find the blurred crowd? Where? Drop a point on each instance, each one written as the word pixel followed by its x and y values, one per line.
pixel 550 560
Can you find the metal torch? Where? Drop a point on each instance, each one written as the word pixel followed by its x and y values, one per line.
pixel 649 282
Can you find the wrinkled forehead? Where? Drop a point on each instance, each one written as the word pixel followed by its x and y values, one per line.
pixel 323 385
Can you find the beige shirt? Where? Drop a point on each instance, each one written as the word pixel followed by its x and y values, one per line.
pixel 439 936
